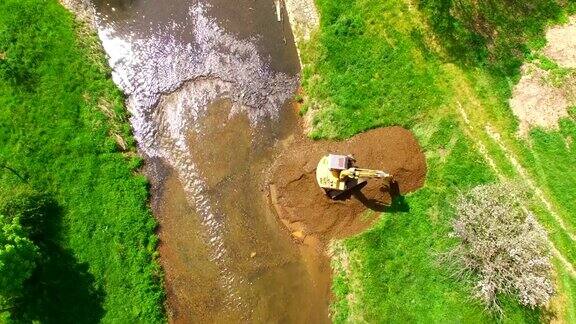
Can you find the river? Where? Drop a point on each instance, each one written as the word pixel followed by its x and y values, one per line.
pixel 208 85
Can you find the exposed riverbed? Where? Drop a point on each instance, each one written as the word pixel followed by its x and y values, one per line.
pixel 208 86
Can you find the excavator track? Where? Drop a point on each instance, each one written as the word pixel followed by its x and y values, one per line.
pixel 338 194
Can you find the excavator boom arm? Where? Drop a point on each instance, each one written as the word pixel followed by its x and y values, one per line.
pixel 357 173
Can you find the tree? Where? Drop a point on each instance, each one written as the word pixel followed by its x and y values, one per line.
pixel 30 206
pixel 502 246
pixel 17 259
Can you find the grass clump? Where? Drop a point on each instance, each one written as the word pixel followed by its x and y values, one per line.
pixel 59 125
pixel 18 256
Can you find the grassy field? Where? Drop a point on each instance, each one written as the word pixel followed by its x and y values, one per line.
pixel 444 70
pixel 62 128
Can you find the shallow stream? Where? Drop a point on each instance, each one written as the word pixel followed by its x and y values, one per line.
pixel 208 86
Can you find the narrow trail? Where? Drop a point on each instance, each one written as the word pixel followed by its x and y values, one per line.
pixel 495 136
pixel 481 148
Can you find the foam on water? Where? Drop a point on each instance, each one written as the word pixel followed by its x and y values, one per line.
pixel 170 83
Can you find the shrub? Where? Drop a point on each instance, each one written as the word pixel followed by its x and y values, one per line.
pixel 502 246
pixel 30 206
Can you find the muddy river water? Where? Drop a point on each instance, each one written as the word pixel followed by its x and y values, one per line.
pixel 208 86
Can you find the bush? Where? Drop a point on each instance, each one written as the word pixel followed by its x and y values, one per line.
pixel 30 206
pixel 502 246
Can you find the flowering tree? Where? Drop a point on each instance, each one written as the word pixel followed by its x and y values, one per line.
pixel 502 246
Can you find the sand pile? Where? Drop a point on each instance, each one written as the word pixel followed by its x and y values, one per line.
pixel 310 215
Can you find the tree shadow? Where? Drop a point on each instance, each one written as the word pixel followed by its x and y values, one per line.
pixel 61 289
pixel 491 33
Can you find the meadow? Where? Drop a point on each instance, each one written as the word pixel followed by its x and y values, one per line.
pixel 445 70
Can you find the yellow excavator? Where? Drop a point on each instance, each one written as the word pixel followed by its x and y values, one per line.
pixel 337 175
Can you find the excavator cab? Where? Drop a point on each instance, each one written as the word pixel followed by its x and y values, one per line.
pixel 336 174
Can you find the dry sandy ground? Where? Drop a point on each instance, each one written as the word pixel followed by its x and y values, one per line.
pixel 561 45
pixel 303 17
pixel 536 100
pixel 83 11
pixel 536 103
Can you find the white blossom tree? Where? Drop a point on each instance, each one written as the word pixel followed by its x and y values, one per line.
pixel 502 246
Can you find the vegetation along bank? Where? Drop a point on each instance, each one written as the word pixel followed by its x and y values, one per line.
pixel 73 204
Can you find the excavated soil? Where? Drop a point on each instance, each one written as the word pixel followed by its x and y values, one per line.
pixel 311 216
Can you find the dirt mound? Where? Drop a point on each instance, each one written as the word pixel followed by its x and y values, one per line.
pixel 310 215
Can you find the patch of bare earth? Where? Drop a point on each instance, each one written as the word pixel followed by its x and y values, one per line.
pixel 311 216
pixel 541 98
pixel 536 103
pixel 304 22
pixel 561 45
pixel 303 17
pixel 83 11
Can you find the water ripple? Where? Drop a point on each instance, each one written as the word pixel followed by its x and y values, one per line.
pixel 170 83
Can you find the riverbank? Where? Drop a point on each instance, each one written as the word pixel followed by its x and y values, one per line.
pixel 65 128
pixel 396 63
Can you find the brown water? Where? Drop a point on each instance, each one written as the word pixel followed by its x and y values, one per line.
pixel 208 85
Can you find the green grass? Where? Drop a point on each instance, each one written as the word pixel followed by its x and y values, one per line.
pixel 53 91
pixel 495 35
pixel 395 264
pixel 369 74
pixel 417 64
